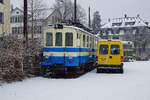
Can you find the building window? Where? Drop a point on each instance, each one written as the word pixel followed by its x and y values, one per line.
pixel 130 23
pixel 115 37
pixel 17 30
pixel 58 39
pixel 116 24
pixel 69 39
pixel 1 18
pixel 1 1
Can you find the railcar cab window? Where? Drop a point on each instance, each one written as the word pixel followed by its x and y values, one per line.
pixel 1 1
pixel 58 39
pixel 1 18
pixel 69 39
pixel 115 49
pixel 49 39
pixel 103 49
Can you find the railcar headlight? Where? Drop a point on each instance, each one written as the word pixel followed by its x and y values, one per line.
pixel 46 56
pixel 70 57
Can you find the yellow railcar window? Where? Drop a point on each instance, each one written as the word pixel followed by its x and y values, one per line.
pixel 58 39
pixel 69 39
pixel 49 39
pixel 115 49
pixel 103 49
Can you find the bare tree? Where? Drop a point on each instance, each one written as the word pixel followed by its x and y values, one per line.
pixel 36 10
pixel 142 41
pixel 66 10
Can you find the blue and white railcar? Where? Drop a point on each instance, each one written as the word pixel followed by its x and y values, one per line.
pixel 68 47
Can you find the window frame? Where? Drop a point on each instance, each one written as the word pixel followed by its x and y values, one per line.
pixel 2 18
pixel 103 51
pixel 117 48
pixel 68 43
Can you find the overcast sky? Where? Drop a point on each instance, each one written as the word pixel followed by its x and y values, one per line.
pixel 110 8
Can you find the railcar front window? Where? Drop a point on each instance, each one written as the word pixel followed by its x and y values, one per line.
pixel 58 39
pixel 115 49
pixel 49 39
pixel 69 39
pixel 103 49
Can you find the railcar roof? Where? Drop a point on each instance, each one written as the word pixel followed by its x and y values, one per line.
pixel 77 28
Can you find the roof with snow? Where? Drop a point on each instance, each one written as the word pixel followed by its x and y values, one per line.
pixel 44 13
pixel 125 22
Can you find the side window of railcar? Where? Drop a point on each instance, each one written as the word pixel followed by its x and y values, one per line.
pixel 69 39
pixel 87 41
pixel 78 36
pixel 103 49
pixel 58 39
pixel 90 42
pixel 115 49
pixel 49 39
pixel 83 40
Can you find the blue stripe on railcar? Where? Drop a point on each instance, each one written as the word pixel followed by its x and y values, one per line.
pixel 75 61
pixel 68 50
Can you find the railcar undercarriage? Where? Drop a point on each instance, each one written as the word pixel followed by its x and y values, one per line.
pixel 60 71
pixel 110 69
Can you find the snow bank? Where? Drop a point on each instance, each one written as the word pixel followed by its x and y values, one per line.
pixel 132 85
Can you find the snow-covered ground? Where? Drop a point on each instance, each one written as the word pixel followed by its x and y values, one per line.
pixel 134 84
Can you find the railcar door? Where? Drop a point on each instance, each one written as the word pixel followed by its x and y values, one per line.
pixel 68 48
pixel 115 53
pixel 103 54
pixel 78 46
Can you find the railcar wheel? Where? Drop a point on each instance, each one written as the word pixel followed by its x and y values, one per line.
pixel 42 71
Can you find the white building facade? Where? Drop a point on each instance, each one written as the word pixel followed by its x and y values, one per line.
pixel 16 21
pixel 4 17
pixel 118 28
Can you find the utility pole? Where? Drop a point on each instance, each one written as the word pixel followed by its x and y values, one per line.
pixel 89 17
pixel 32 20
pixel 75 11
pixel 26 21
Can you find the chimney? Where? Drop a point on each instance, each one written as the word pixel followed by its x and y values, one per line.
pixel 12 7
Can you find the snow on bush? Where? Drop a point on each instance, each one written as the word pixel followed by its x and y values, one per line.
pixel 17 61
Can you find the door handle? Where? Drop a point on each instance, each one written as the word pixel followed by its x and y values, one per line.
pixel 110 56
